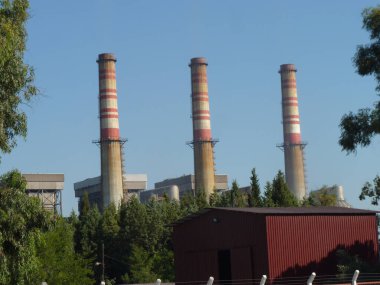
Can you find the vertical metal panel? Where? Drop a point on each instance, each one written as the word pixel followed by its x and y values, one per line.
pixel 242 233
pixel 298 245
pixel 241 263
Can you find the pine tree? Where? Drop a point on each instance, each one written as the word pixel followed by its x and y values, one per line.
pixel 268 195
pixel 236 196
pixel 281 195
pixel 254 197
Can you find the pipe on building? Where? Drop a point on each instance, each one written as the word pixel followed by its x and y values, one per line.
pixel 293 146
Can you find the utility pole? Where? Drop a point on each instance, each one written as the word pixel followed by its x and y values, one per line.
pixel 103 261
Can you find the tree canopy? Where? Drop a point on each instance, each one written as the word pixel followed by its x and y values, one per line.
pixel 16 77
pixel 358 129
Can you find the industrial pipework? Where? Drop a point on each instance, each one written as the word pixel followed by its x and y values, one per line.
pixel 203 144
pixel 110 142
pixel 293 146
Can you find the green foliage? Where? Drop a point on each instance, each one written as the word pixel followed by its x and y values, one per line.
pixel 358 129
pixel 84 205
pixel 60 265
pixel 141 267
pixel 268 193
pixel 348 263
pixel 237 198
pixel 21 221
pixel 16 77
pixel 281 195
pixel 372 191
pixel 254 197
pixel 13 180
pixel 322 198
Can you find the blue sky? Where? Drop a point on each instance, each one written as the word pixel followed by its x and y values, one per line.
pixel 244 42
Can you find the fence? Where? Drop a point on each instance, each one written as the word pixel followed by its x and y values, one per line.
pixel 313 279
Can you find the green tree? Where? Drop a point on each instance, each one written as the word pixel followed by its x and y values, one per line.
pixel 236 196
pixel 60 265
pixel 281 195
pixel 372 191
pixel 22 220
pixel 322 198
pixel 16 77
pixel 141 265
pixel 87 234
pixel 254 197
pixel 359 129
pixel 268 193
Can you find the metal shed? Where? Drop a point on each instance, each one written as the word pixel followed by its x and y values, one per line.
pixel 245 243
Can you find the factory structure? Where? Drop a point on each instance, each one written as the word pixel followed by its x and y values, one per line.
pixel 293 146
pixel 114 186
pixel 48 188
pixel 203 143
pixel 110 142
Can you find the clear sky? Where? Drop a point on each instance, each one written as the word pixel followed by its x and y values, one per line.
pixel 244 42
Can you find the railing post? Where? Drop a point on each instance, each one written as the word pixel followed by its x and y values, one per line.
pixel 263 279
pixel 158 281
pixel 355 277
pixel 311 279
pixel 210 280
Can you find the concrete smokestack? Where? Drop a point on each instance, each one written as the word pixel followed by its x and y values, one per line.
pixel 203 143
pixel 293 146
pixel 110 142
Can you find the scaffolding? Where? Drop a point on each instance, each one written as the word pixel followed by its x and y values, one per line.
pixel 51 199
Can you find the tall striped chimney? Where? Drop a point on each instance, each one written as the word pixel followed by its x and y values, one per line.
pixel 110 142
pixel 203 143
pixel 293 146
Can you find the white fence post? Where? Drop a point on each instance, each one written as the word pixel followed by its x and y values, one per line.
pixel 158 281
pixel 263 279
pixel 355 277
pixel 311 279
pixel 210 280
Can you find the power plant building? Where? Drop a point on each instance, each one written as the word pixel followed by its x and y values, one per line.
pixel 175 188
pixel 48 188
pixel 293 146
pixel 135 183
pixel 336 190
pixel 203 143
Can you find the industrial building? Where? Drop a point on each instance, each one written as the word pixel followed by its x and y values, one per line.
pixel 135 183
pixel 175 188
pixel 246 243
pixel 48 188
pixel 293 146
pixel 203 143
pixel 337 191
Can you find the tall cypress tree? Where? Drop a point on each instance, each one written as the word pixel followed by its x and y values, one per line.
pixel 254 197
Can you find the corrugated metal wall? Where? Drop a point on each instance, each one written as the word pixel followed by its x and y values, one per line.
pixel 275 245
pixel 298 245
pixel 197 242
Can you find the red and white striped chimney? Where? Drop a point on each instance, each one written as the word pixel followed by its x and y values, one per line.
pixel 110 143
pixel 293 146
pixel 202 140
